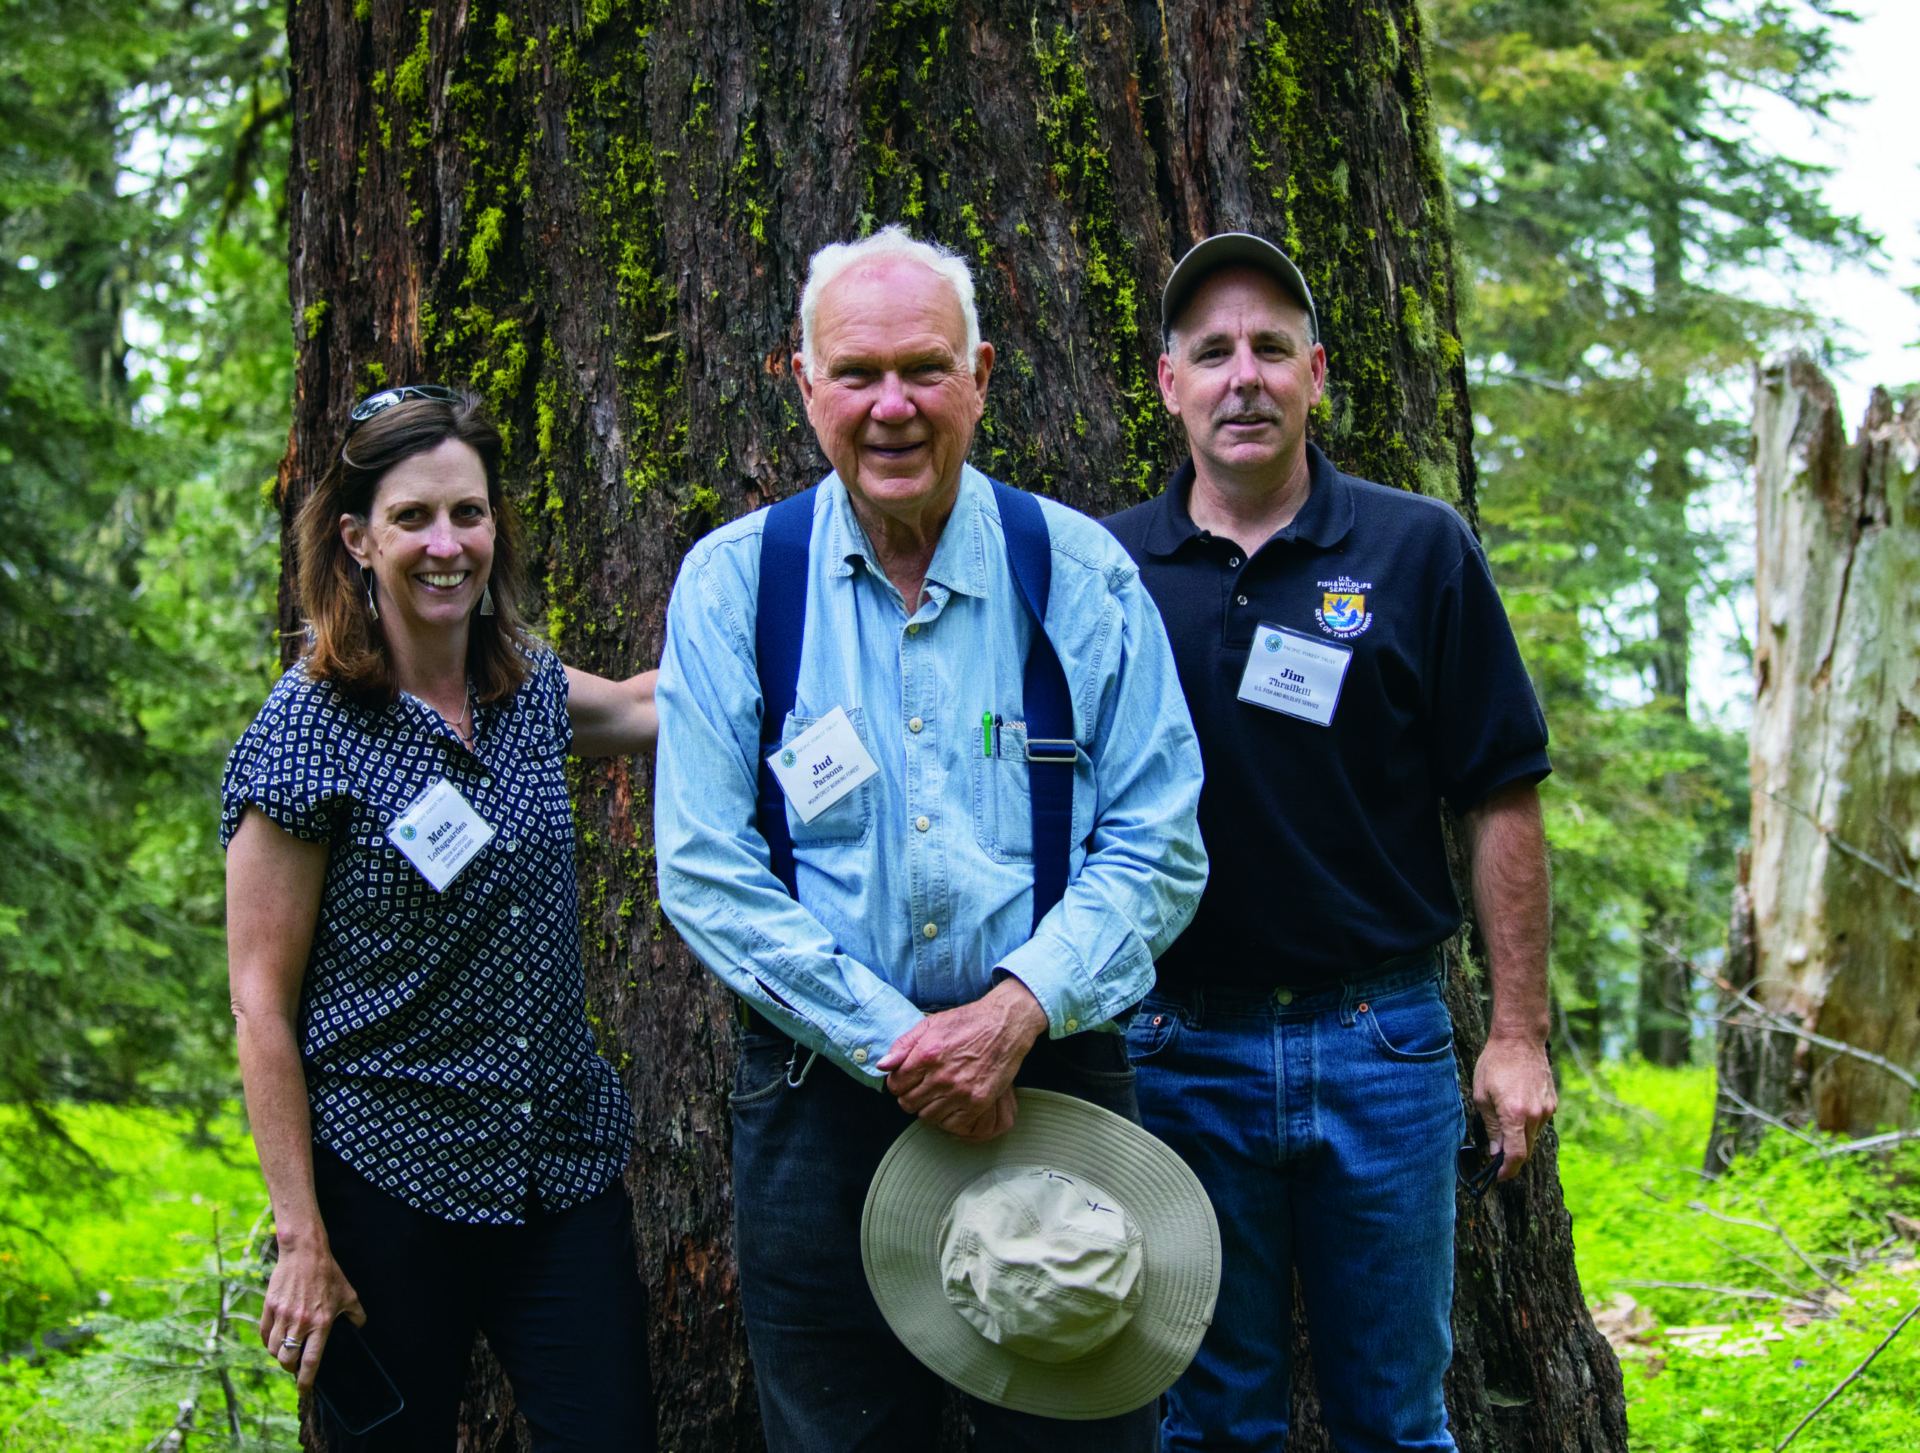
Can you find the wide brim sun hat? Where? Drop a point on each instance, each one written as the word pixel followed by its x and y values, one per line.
pixel 1068 1268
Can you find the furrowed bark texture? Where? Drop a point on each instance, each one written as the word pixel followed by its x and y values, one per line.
pixel 1834 890
pixel 599 214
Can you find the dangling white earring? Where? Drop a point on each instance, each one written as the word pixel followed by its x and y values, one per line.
pixel 486 599
pixel 373 609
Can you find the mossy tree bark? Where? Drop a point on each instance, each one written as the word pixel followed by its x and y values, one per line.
pixel 599 214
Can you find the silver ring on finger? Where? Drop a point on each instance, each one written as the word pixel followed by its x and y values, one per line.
pixel 287 1344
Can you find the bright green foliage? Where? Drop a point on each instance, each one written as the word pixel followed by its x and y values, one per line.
pixel 1610 188
pixel 140 184
pixel 199 1365
pixel 164 1174
pixel 103 1265
pixel 1643 1213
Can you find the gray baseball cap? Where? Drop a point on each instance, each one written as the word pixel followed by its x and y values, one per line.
pixel 1233 249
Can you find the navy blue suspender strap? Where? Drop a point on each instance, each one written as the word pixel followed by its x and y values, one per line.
pixel 1047 707
pixel 779 626
pixel 779 622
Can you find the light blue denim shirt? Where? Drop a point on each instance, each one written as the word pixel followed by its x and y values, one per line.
pixel 919 884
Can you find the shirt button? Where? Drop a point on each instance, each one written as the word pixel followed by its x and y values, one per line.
pixel 914 724
pixel 1283 996
pixel 1233 560
pixel 1239 600
pixel 526 1107
pixel 923 823
pixel 516 912
pixel 519 1041
pixel 513 844
pixel 519 978
pixel 1072 1024
pixel 913 630
pixel 485 780
pixel 859 1056
pixel 932 930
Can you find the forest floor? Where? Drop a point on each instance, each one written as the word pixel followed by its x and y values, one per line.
pixel 1809 1263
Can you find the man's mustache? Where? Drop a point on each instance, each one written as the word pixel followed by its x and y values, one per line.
pixel 1249 416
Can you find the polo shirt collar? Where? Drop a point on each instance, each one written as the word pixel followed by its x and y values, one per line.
pixel 959 560
pixel 1323 521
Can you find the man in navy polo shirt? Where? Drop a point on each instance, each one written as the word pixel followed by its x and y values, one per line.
pixel 1349 668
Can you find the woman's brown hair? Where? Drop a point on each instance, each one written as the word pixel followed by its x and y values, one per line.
pixel 348 648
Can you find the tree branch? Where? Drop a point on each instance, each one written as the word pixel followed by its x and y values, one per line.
pixel 1858 854
pixel 1897 1327
pixel 1751 1293
pixel 1872 1142
pixel 1783 1024
pixel 1744 1107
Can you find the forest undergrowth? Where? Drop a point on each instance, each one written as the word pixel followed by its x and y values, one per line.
pixel 1736 1305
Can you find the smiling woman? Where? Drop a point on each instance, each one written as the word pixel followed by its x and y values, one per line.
pixel 415 492
pixel 442 1143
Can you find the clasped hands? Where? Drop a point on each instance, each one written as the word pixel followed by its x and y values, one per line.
pixel 955 1069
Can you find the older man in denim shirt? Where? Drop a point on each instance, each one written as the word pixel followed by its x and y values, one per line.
pixel 909 960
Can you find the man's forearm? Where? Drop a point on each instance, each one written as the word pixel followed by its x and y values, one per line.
pixel 1512 899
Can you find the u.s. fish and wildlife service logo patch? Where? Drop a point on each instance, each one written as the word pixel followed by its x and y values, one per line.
pixel 1343 609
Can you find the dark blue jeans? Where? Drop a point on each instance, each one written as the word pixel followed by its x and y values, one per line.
pixel 1325 1128
pixel 833 1378
pixel 559 1298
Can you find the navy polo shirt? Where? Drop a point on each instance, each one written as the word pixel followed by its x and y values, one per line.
pixel 1325 841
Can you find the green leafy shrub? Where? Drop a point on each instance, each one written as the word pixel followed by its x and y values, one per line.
pixel 1756 1293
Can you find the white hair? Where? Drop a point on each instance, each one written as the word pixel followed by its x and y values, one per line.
pixel 836 257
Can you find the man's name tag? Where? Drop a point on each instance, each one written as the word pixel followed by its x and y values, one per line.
pixel 440 834
pixel 822 765
pixel 1295 674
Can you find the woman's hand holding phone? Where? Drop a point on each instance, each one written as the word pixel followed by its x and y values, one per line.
pixel 305 1295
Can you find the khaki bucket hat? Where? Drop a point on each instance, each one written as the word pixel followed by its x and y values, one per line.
pixel 1068 1268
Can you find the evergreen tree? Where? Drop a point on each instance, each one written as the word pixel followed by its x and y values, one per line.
pixel 144 382
pixel 1613 197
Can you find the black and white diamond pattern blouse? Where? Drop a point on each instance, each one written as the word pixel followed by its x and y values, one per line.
pixel 444 1035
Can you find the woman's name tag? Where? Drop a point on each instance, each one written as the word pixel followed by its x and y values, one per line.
pixel 822 765
pixel 440 834
pixel 1295 674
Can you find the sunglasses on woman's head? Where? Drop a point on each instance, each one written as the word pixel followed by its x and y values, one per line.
pixel 379 403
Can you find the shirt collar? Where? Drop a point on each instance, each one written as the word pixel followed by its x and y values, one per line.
pixel 1323 521
pixel 959 560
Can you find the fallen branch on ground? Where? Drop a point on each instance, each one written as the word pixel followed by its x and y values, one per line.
pixel 1911 1314
pixel 1750 1293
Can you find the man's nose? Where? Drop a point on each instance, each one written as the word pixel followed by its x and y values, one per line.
pixel 1246 368
pixel 893 406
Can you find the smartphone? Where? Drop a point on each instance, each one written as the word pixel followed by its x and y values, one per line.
pixel 352 1384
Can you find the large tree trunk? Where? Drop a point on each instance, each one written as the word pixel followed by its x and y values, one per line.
pixel 1834 893
pixel 600 215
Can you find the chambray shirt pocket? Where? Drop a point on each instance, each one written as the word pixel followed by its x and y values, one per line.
pixel 848 821
pixel 1002 804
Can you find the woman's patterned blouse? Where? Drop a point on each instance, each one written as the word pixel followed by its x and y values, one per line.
pixel 445 1040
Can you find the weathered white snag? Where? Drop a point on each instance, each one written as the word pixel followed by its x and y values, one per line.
pixel 1834 896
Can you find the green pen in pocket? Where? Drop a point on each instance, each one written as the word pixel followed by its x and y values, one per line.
pixel 986 734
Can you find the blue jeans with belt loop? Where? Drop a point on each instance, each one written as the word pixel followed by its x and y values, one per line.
pixel 1324 1126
